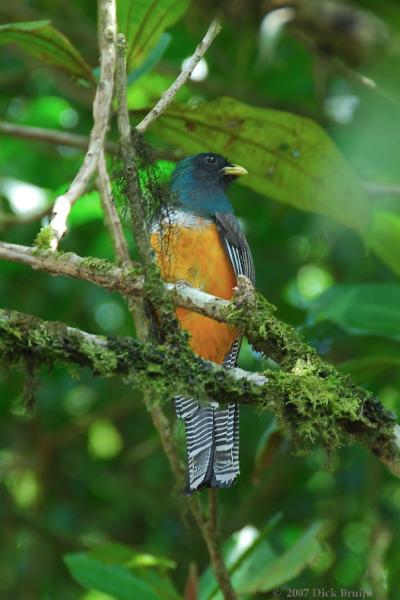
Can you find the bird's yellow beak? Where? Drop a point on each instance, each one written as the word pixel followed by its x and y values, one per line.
pixel 235 170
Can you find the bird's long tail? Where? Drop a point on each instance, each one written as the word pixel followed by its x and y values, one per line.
pixel 212 441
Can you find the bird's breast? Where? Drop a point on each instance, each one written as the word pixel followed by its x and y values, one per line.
pixel 189 248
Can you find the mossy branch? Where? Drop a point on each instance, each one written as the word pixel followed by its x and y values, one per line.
pixel 309 406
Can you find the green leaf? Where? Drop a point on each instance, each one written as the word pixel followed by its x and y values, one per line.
pixel 41 40
pixel 143 22
pixel 116 580
pixel 151 60
pixel 289 158
pixel 116 569
pixel 362 309
pixel 245 553
pixel 288 565
pixel 112 554
pixel 368 367
pixel 384 238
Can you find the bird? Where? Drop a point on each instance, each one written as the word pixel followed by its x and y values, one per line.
pixel 198 239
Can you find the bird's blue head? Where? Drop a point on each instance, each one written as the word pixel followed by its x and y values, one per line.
pixel 199 183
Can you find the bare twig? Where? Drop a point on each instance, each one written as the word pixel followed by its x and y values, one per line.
pixel 101 110
pixel 364 81
pixel 169 94
pixel 110 212
pixel 51 136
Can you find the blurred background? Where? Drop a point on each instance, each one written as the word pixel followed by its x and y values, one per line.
pixel 87 467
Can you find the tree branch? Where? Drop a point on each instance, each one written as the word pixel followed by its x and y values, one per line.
pixel 9 220
pixel 311 401
pixel 101 111
pixel 157 367
pixel 110 213
pixel 50 136
pixel 169 94
pixel 128 281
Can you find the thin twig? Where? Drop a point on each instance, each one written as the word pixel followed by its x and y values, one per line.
pixel 101 111
pixel 110 213
pixel 51 136
pixel 9 220
pixel 184 75
pixel 102 273
pixel 364 81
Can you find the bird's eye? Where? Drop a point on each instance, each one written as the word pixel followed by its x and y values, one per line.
pixel 210 159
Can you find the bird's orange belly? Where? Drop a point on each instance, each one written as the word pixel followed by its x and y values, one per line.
pixel 197 256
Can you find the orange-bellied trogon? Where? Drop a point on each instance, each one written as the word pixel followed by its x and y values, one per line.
pixel 199 240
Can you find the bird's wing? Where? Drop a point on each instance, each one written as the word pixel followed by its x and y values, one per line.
pixel 236 245
pixel 239 253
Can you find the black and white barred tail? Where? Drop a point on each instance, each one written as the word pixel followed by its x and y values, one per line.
pixel 212 443
pixel 212 438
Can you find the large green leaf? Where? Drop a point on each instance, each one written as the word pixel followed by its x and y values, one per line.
pixel 115 569
pixel 243 552
pixel 254 565
pixel 362 309
pixel 110 579
pixel 289 158
pixel 41 40
pixel 288 565
pixel 143 21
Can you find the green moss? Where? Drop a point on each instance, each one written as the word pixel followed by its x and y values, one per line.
pixel 104 361
pixel 313 402
pixel 97 264
pixel 44 238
